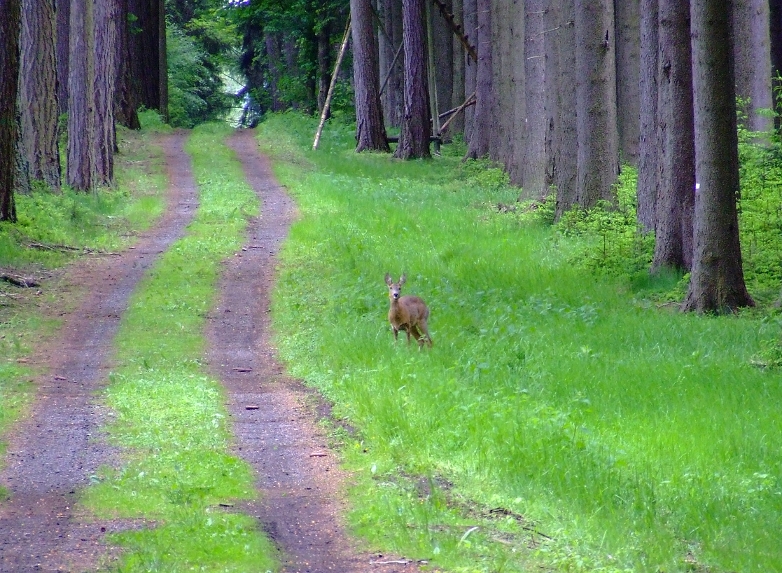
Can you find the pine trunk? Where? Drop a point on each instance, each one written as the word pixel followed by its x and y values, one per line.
pixel 676 151
pixel 458 94
pixel 628 64
pixel 566 114
pixel 125 102
pixel 81 90
pixel 416 129
pixel 482 127
pixel 717 280
pixel 63 13
pixel 536 162
pixel 10 28
pixel 470 67
pixel 648 177
pixel 752 57
pixel 38 91
pixel 370 129
pixel 598 163
pixel 106 36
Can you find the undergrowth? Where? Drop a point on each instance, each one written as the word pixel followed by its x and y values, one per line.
pixel 169 417
pixel 562 420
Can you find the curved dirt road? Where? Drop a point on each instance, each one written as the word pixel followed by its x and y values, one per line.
pixel 53 452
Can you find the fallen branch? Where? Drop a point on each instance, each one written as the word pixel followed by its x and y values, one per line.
pixel 19 280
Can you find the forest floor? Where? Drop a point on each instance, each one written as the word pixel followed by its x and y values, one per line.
pixel 53 452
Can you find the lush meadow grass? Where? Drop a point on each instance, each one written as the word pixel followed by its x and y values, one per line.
pixel 170 421
pixel 575 423
pixel 66 223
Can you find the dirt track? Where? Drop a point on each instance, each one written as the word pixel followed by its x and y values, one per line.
pixel 53 452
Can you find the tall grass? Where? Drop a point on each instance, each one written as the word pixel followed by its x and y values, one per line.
pixel 634 438
pixel 170 419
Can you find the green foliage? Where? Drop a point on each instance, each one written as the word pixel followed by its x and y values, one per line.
pixel 552 402
pixel 196 90
pixel 610 242
pixel 169 416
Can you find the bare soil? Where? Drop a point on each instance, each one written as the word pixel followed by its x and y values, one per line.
pixel 56 448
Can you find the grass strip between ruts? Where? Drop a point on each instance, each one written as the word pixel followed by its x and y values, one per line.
pixel 170 421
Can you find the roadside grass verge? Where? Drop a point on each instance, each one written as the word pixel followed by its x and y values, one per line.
pixel 105 221
pixel 169 418
pixel 561 420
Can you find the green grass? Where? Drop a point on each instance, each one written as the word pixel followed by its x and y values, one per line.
pixel 107 220
pixel 632 437
pixel 170 421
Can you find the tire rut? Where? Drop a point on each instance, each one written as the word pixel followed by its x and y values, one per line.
pixel 57 447
pixel 301 484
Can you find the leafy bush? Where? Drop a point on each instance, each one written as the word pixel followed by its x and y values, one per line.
pixel 195 88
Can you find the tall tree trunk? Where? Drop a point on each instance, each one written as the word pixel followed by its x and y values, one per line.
pixel 125 94
pixel 536 178
pixel 10 28
pixel 648 176
pixel 598 162
pixel 504 137
pixel 676 149
pixel 470 8
pixel 752 57
pixel 518 83
pixel 370 129
pixel 81 89
pixel 416 130
pixel 38 91
pixel 396 82
pixel 145 56
pixel 162 63
pixel 717 280
pixel 628 64
pixel 565 114
pixel 274 62
pixel 482 122
pixel 775 15
pixel 324 63
pixel 63 14
pixel 442 48
pixel 106 39
pixel 457 89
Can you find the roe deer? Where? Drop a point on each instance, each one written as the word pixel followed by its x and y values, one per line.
pixel 408 313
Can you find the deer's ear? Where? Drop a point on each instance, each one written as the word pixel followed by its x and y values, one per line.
pixel 402 279
pixel 389 280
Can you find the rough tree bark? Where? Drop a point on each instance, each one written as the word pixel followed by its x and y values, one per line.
pixel 63 13
pixel 676 151
pixel 416 130
pixel 370 129
pixel 536 163
pixel 598 162
pixel 717 280
pixel 106 39
pixel 628 62
pixel 324 63
pixel 752 57
pixel 482 127
pixel 144 46
pixel 518 83
pixel 458 94
pixel 125 94
pixel 38 91
pixel 565 115
pixel 81 89
pixel 10 28
pixel 646 190
pixel 470 11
